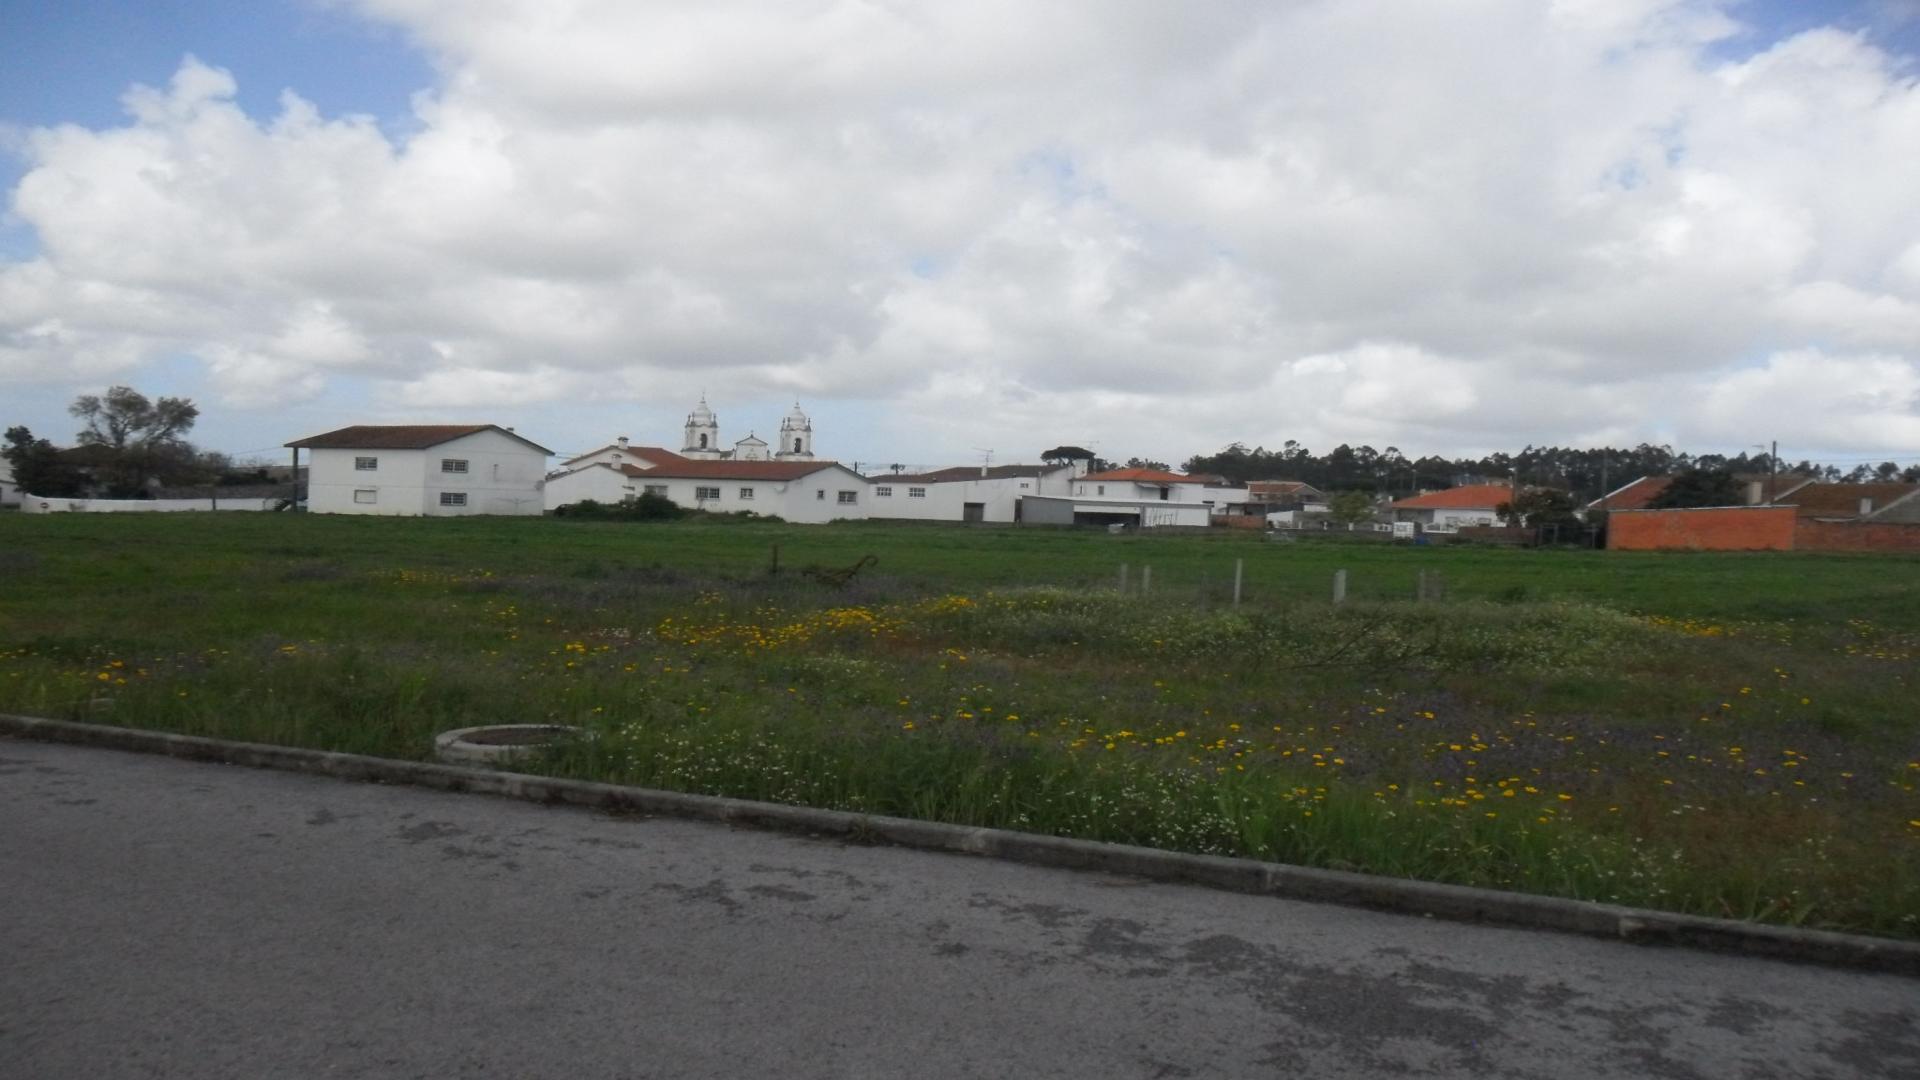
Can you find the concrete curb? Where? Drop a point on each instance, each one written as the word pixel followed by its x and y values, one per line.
pixel 1237 875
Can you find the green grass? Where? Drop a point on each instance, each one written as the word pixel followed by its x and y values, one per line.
pixel 1726 734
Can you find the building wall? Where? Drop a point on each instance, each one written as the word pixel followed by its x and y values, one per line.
pixel 1856 536
pixel 601 483
pixel 999 497
pixel 142 506
pixel 503 476
pixel 811 500
pixel 1735 528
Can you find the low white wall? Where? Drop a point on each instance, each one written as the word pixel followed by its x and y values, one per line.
pixel 34 504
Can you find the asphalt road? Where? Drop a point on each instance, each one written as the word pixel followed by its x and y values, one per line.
pixel 161 918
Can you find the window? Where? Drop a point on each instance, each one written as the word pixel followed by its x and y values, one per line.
pixel 848 498
pixel 1101 490
pixel 1024 485
pixel 916 493
pixel 366 464
pixel 453 498
pixel 703 442
pixel 448 464
pixel 703 494
pixel 1163 494
pixel 883 492
pixel 796 446
pixel 746 493
pixel 820 495
pixel 365 495
pixel 657 489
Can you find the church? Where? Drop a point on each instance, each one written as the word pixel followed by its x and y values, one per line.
pixel 783 479
pixel 703 438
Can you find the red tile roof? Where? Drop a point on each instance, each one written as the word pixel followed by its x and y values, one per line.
pixel 1144 476
pixel 401 437
pixel 1468 497
pixel 1843 500
pixel 657 454
pixel 688 469
pixel 1634 496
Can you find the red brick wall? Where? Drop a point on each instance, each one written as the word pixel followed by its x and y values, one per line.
pixel 1741 528
pixel 1856 536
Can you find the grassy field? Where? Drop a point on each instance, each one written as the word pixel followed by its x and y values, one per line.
pixel 1734 735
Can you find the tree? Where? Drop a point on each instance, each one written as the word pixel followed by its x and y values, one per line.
pixel 143 438
pixel 1699 487
pixel 1145 463
pixel 37 468
pixel 123 418
pixel 1350 507
pixel 1537 507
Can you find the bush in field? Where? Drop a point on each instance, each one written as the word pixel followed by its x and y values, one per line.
pixel 647 507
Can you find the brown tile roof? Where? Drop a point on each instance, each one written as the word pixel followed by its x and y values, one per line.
pixel 687 469
pixel 1843 500
pixel 1467 497
pixel 1143 476
pixel 1279 488
pixel 401 437
pixel 1634 496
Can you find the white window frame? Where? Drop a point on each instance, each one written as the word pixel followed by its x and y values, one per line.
pixel 453 498
pixel 820 495
pixel 656 489
pixel 883 492
pixel 706 494
pixel 746 493
pixel 366 464
pixel 453 465
pixel 916 493
pixel 372 496
pixel 848 498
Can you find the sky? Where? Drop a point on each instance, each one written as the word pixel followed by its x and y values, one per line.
pixel 955 232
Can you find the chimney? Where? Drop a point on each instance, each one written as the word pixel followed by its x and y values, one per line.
pixel 622 440
pixel 1753 493
pixel 1866 506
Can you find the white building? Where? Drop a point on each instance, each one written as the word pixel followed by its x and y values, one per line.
pixel 1141 498
pixel 966 493
pixel 803 491
pixel 9 491
pixel 424 469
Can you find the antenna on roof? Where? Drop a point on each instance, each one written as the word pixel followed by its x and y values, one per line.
pixel 986 458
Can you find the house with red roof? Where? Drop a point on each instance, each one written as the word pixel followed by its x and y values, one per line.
pixel 1469 504
pixel 803 491
pixel 432 470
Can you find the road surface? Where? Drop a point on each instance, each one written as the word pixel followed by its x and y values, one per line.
pixel 161 918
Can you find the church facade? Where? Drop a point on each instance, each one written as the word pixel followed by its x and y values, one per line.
pixel 702 441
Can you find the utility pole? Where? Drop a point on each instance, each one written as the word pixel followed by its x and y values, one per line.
pixel 1773 471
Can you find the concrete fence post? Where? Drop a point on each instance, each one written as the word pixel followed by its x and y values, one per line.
pixel 1339 586
pixel 1146 579
pixel 1123 579
pixel 1239 569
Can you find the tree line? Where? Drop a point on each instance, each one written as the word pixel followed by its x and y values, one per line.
pixel 1585 473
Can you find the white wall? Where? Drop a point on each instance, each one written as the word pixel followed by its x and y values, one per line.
pixel 811 500
pixel 503 476
pixel 52 505
pixel 601 482
pixel 946 501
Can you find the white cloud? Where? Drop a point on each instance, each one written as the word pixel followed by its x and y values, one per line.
pixel 1446 227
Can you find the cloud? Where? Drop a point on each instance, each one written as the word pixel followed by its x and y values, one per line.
pixel 1444 227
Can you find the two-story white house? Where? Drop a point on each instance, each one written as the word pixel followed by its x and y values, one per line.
pixel 1143 498
pixel 438 470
